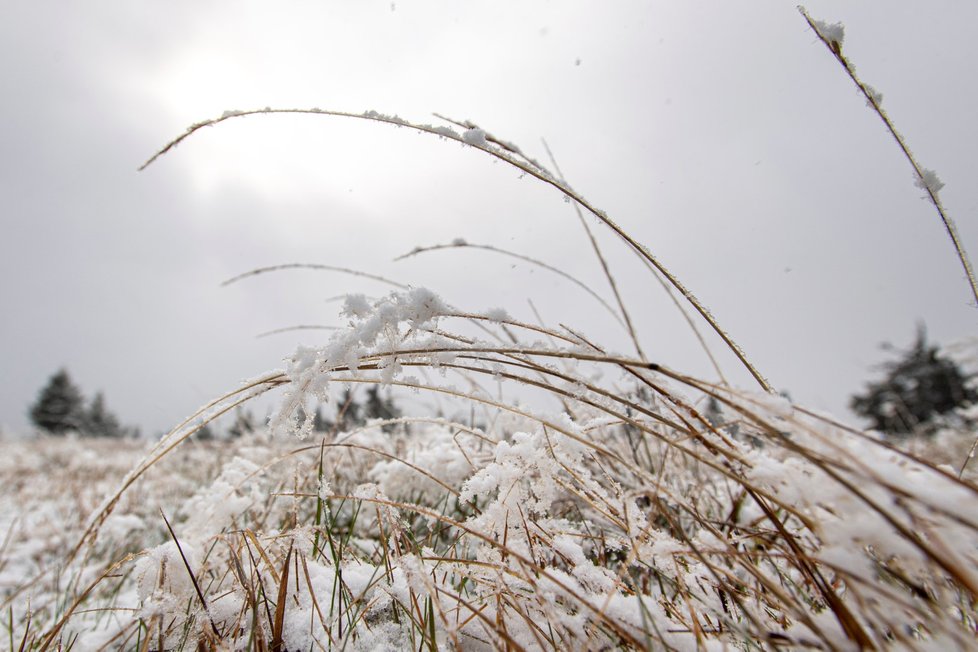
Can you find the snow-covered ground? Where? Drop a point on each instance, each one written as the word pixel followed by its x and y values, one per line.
pixel 634 513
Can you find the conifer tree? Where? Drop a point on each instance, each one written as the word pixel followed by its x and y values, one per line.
pixel 319 422
pixel 380 407
pixel 918 387
pixel 59 407
pixel 243 423
pixel 349 412
pixel 205 433
pixel 99 422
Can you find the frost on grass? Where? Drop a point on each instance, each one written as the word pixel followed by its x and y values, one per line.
pixel 604 522
pixel 376 330
pixel 833 33
pixel 929 181
pixel 446 132
pixel 475 137
pixel 874 97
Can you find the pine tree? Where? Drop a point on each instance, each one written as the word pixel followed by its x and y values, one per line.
pixel 349 412
pixel 243 423
pixel 918 387
pixel 319 422
pixel 380 407
pixel 205 433
pixel 60 407
pixel 99 422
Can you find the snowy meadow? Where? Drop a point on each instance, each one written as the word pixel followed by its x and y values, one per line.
pixel 557 495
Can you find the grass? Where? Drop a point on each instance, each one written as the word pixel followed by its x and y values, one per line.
pixel 926 180
pixel 646 509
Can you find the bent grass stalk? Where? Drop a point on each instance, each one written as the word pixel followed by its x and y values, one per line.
pixel 314 266
pixel 926 179
pixel 533 261
pixel 601 259
pixel 514 157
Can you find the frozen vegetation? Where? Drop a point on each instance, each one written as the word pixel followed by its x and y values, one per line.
pixel 644 509
pixel 641 514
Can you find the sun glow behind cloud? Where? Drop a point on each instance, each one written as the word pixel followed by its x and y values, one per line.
pixel 353 58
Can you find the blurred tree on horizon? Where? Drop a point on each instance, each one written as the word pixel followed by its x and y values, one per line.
pixel 60 407
pixel 921 385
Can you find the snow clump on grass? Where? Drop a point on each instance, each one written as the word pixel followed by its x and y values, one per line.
pixel 833 33
pixel 929 181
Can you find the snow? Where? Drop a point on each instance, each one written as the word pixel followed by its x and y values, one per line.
pixel 831 32
pixel 446 132
pixel 476 137
pixel 929 181
pixel 875 97
pixel 560 505
pixel 356 306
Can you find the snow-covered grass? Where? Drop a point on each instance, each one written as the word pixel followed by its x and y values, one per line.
pixel 925 179
pixel 641 509
pixel 629 518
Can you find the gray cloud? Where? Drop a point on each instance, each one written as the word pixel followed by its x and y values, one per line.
pixel 724 138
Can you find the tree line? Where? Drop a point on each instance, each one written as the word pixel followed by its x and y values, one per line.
pixel 62 408
pixel 921 391
pixel 350 413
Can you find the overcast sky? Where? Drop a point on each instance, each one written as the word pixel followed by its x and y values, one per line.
pixel 722 135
